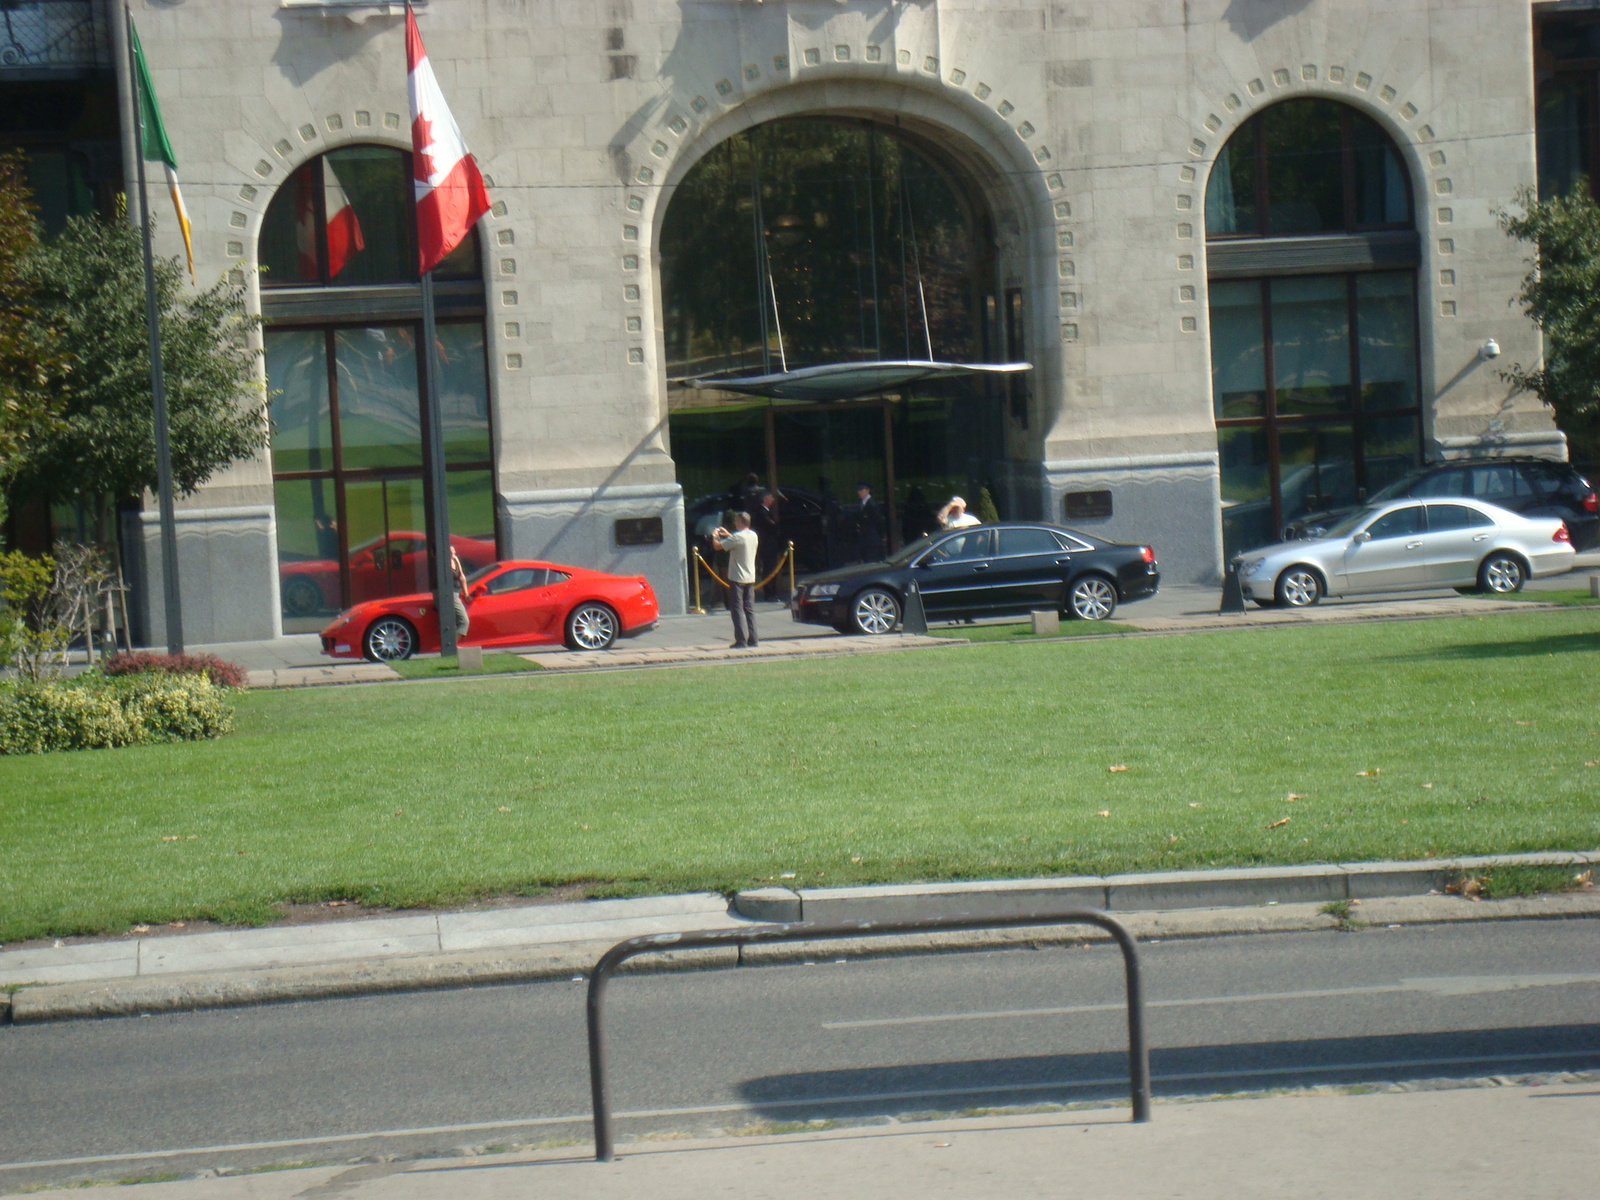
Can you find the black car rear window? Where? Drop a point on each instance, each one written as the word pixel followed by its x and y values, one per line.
pixel 1028 541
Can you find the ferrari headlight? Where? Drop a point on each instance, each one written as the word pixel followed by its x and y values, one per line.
pixel 822 589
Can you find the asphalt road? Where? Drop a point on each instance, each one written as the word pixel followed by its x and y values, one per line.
pixel 406 1074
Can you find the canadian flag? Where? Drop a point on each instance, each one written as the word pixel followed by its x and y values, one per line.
pixel 345 239
pixel 450 192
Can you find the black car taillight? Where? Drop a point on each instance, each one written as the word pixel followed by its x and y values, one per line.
pixel 1590 503
pixel 1147 553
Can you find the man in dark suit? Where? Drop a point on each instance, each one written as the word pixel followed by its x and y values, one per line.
pixel 869 526
pixel 765 519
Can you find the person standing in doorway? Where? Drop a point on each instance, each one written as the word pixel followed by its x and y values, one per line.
pixel 741 546
pixel 869 525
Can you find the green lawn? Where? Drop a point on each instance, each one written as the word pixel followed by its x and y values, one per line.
pixel 973 761
pixel 1571 597
pixel 1013 631
pixel 432 666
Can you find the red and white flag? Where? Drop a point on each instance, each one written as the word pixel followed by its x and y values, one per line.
pixel 450 192
pixel 345 239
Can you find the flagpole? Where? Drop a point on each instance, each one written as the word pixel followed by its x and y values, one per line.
pixel 439 509
pixel 158 387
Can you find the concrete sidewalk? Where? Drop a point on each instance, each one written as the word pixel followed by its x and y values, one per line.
pixel 1414 1144
pixel 151 971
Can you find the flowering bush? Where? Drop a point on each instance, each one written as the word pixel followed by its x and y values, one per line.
pixel 142 662
pixel 92 712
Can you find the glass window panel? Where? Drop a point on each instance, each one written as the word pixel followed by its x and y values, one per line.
pixel 518 579
pixel 1455 516
pixel 388 542
pixel 1390 448
pixel 1494 484
pixel 308 553
pixel 1316 469
pixel 962 547
pixel 379 419
pixel 297 382
pixel 1027 541
pixel 1246 488
pixel 1564 143
pixel 463 392
pixel 471 499
pixel 1386 324
pixel 1402 522
pixel 1382 194
pixel 286 248
pixel 1238 364
pixel 1445 483
pixel 1311 344
pixel 1231 190
pixel 1305 166
pixel 376 233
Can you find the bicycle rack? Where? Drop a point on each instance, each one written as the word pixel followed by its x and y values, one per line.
pixel 811 931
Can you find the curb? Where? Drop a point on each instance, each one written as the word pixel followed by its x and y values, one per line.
pixel 1239 887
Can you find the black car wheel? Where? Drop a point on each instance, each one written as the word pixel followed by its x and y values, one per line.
pixel 301 597
pixel 875 611
pixel 1092 598
pixel 389 639
pixel 591 626
pixel 1501 574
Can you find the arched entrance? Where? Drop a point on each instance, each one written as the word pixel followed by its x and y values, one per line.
pixel 1312 256
pixel 814 240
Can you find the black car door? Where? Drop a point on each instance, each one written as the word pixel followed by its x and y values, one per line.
pixel 954 575
pixel 1027 571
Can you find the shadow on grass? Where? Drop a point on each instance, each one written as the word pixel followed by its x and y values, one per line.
pixel 1537 647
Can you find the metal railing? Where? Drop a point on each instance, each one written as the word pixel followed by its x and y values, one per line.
pixel 52 34
pixel 811 931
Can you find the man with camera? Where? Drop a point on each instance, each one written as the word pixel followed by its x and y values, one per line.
pixel 741 546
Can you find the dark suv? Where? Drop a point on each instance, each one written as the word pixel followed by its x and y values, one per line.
pixel 1534 487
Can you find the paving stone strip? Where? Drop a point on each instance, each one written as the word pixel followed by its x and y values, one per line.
pixel 552 941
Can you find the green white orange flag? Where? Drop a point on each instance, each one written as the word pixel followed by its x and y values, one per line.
pixel 156 146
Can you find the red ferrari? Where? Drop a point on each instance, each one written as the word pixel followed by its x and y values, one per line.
pixel 509 604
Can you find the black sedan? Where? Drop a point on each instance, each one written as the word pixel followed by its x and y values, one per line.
pixel 983 571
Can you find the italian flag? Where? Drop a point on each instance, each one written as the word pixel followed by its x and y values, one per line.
pixel 450 192
pixel 156 146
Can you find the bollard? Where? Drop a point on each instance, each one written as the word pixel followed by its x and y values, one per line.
pixel 914 619
pixel 469 658
pixel 1594 586
pixel 1046 622
pixel 1232 593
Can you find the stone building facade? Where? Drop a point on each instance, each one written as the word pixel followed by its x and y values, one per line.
pixel 1088 128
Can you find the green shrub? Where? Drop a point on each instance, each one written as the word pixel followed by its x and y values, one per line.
pixel 92 712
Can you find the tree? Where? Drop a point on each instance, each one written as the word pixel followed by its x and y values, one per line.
pixel 1561 293
pixel 29 358
pixel 88 285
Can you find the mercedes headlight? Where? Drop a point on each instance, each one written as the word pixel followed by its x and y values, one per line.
pixel 1251 567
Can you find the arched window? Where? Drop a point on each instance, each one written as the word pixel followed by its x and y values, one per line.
pixel 1311 263
pixel 342 302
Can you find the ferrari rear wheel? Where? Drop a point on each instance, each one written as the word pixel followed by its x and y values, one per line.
pixel 591 626
pixel 389 639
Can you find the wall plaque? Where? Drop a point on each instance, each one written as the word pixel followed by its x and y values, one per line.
pixel 639 531
pixel 1086 506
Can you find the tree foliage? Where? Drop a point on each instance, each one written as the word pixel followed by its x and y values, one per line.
pixel 1561 293
pixel 29 358
pixel 88 284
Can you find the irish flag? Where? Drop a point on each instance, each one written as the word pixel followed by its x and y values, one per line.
pixel 450 192
pixel 155 145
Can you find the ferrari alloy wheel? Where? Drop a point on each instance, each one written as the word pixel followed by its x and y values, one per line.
pixel 1299 587
pixel 1501 574
pixel 1092 598
pixel 875 611
pixel 389 639
pixel 301 597
pixel 591 626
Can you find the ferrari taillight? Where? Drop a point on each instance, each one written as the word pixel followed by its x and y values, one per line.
pixel 1562 534
pixel 1147 553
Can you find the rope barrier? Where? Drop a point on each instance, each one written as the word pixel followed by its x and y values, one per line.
pixel 786 559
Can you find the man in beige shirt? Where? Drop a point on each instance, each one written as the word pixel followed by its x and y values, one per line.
pixel 741 546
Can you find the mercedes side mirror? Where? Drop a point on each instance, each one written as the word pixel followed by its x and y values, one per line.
pixel 1363 536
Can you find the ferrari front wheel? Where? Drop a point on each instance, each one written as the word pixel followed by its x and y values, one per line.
pixel 591 626
pixel 389 639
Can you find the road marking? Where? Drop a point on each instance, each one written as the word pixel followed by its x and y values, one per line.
pixel 810 1102
pixel 1444 985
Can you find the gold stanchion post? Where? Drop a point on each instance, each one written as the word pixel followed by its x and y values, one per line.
pixel 791 571
pixel 694 575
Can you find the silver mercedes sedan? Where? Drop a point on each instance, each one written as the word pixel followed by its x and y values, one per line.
pixel 1406 545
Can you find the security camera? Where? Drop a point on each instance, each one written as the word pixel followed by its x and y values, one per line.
pixel 1490 349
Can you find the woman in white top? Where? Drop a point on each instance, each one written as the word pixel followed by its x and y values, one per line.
pixel 954 515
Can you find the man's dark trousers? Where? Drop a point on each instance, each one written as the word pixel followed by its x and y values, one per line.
pixel 742 607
